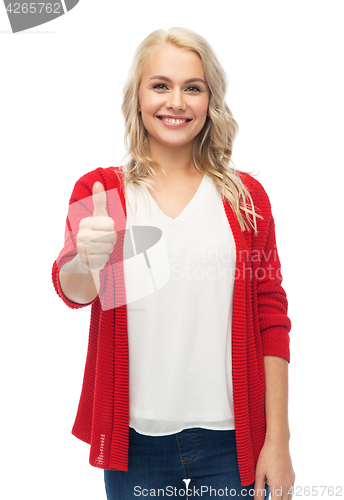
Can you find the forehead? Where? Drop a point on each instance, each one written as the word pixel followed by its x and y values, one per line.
pixel 173 62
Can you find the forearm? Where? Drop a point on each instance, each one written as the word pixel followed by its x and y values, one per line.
pixel 276 399
pixel 79 284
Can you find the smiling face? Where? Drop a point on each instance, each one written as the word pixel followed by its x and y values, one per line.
pixel 173 97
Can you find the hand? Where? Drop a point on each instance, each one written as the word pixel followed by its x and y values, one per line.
pixel 96 237
pixel 274 467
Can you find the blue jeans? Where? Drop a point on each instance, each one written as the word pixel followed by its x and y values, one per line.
pixel 158 466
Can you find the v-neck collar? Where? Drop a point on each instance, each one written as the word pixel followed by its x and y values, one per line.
pixel 190 207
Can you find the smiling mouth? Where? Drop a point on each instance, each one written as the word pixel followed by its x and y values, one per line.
pixel 174 121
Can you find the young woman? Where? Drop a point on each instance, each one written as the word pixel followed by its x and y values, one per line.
pixel 186 374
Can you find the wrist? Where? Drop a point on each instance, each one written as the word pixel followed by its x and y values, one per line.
pixel 281 436
pixel 75 266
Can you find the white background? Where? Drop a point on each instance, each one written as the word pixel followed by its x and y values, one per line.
pixel 60 92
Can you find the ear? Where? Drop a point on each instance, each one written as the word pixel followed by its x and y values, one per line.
pixel 138 107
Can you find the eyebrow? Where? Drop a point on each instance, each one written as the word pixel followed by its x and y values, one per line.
pixel 191 80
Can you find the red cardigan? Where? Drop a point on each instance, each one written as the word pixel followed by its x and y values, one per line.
pixel 260 326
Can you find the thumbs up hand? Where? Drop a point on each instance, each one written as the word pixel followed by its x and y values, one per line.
pixel 96 237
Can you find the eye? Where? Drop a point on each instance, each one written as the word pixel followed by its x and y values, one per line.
pixel 192 88
pixel 159 86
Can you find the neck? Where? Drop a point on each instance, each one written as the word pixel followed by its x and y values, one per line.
pixel 176 161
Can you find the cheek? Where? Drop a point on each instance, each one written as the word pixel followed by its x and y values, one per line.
pixel 148 109
pixel 150 104
pixel 199 107
pixel 202 107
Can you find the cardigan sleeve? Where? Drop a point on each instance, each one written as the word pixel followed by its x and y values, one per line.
pixel 80 206
pixel 272 300
pixel 274 323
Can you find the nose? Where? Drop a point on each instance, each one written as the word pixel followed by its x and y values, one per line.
pixel 176 100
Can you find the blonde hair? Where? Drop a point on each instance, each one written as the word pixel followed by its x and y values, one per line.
pixel 212 148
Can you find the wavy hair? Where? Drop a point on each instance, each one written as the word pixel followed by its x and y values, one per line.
pixel 212 149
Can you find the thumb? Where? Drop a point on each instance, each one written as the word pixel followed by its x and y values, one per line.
pixel 99 200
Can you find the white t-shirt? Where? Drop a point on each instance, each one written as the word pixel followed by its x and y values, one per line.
pixel 179 320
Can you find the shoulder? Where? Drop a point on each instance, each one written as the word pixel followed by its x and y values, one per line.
pixel 110 177
pixel 259 195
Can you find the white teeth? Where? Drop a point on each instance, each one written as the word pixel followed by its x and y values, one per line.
pixel 172 120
